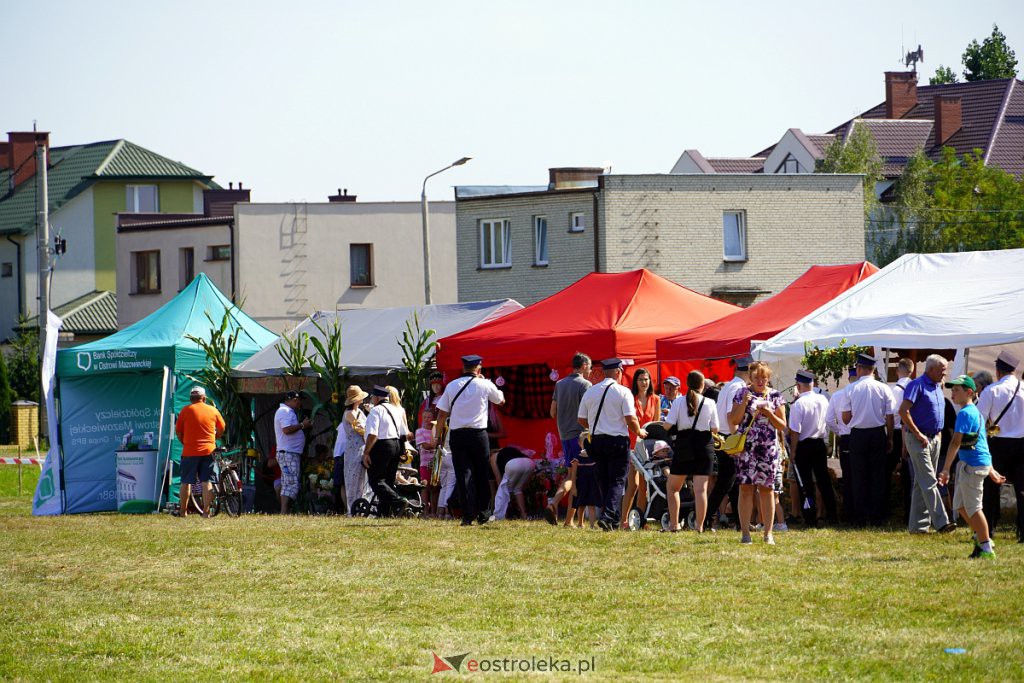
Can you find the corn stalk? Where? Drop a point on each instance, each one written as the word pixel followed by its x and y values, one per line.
pixel 216 377
pixel 418 349
pixel 326 361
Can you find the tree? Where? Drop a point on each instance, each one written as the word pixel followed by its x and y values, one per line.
pixel 6 398
pixel 943 75
pixel 992 59
pixel 858 153
pixel 23 365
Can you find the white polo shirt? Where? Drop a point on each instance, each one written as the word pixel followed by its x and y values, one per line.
pixel 807 415
pixel 470 411
pixel 995 397
pixel 724 403
pixel 386 421
pixel 897 394
pixel 834 416
pixel 617 406
pixel 679 414
pixel 294 442
pixel 868 401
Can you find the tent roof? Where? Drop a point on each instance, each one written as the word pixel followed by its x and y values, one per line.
pixel 730 336
pixel 923 301
pixel 603 314
pixel 369 336
pixel 160 337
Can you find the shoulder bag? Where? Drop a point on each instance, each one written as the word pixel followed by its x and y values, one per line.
pixel 593 427
pixel 735 443
pixel 993 429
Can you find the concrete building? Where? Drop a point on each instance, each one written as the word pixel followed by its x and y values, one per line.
pixel 736 237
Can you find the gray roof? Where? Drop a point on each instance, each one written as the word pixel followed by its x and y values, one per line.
pixel 92 313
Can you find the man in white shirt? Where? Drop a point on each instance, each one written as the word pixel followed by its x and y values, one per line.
pixel 726 479
pixel 1001 404
pixel 807 446
pixel 466 401
pixel 291 441
pixel 834 423
pixel 384 430
pixel 609 412
pixel 868 407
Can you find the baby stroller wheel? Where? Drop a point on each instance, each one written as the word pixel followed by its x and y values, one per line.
pixel 361 508
pixel 635 519
pixel 664 521
pixel 691 520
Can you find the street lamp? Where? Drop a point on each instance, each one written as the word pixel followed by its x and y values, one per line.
pixel 426 225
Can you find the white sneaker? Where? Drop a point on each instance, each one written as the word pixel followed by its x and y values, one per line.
pixel 757 527
pixel 781 526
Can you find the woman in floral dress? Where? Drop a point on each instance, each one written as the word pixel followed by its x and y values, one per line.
pixel 758 465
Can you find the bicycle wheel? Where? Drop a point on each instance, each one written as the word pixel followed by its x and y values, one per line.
pixel 230 493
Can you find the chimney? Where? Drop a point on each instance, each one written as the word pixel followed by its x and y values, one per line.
pixel 342 196
pixel 900 93
pixel 4 151
pixel 573 177
pixel 21 154
pixel 948 117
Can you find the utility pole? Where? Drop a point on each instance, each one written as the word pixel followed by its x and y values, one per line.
pixel 43 254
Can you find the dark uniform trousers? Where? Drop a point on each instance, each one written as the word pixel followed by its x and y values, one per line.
pixel 724 486
pixel 1008 460
pixel 867 470
pixel 384 458
pixel 611 454
pixel 812 464
pixel 849 507
pixel 893 462
pixel 470 458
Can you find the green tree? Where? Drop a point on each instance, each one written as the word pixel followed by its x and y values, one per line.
pixel 858 153
pixel 943 75
pixel 993 58
pixel 6 398
pixel 23 364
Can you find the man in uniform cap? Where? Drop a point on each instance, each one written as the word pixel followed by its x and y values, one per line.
pixel 726 480
pixel 1002 406
pixel 384 430
pixel 867 407
pixel 807 446
pixel 834 423
pixel 609 412
pixel 464 404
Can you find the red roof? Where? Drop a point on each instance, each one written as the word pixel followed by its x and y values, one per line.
pixel 730 336
pixel 605 315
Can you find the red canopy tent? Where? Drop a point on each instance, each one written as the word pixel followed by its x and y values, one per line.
pixel 730 337
pixel 603 315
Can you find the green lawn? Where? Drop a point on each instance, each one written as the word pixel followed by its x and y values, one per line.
pixel 299 598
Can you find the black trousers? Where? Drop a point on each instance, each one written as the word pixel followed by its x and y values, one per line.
pixel 611 453
pixel 812 464
pixel 724 486
pixel 1008 460
pixel 849 506
pixel 383 466
pixel 470 457
pixel 892 465
pixel 867 467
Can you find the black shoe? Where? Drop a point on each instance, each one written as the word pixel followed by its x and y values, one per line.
pixel 550 517
pixel 605 525
pixel 466 522
pixel 482 518
pixel 948 529
pixel 976 552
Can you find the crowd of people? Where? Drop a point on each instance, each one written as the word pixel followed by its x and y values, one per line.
pixel 736 443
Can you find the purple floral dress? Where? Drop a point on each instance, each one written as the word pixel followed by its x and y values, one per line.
pixel 760 462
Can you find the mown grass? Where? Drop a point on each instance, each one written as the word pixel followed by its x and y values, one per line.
pixel 300 598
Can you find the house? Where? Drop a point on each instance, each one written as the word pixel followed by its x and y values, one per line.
pixel 87 185
pixel 985 115
pixel 737 237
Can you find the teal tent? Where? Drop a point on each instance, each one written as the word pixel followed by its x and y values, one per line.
pixel 134 380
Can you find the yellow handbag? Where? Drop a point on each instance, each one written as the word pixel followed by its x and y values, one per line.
pixel 734 443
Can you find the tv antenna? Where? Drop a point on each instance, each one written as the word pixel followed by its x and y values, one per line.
pixel 913 58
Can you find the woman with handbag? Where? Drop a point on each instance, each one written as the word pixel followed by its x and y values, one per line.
pixel 763 411
pixel 696 420
pixel 648 409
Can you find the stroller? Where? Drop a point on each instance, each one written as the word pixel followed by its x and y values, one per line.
pixel 410 492
pixel 656 483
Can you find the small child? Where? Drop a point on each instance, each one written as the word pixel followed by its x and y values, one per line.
pixel 586 491
pixel 426 444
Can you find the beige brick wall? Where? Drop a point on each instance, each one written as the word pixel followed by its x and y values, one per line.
pixel 570 255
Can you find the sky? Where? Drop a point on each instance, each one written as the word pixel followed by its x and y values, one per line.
pixel 297 99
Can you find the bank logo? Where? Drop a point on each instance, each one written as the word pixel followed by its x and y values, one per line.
pixel 450 663
pixel 84 359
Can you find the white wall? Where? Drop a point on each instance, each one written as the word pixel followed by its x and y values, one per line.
pixel 74 272
pixel 292 259
pixel 789 144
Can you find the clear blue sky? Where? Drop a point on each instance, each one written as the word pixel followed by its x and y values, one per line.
pixel 297 99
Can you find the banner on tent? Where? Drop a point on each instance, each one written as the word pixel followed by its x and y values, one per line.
pixel 47 499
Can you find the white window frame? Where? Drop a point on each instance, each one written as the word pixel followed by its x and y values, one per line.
pixel 488 258
pixel 540 222
pixel 577 221
pixel 741 222
pixel 131 199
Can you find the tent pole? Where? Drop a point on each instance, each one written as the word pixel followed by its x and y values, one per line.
pixel 160 436
pixel 167 463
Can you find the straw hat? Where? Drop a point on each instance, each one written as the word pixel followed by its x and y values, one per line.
pixel 354 395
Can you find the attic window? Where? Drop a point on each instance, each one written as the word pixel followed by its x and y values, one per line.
pixel 142 199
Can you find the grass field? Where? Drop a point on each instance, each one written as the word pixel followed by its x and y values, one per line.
pixel 300 598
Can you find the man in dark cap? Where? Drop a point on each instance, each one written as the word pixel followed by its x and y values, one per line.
pixel 726 480
pixel 608 411
pixel 1002 406
pixel 835 424
pixel 384 430
pixel 807 445
pixel 290 441
pixel 867 407
pixel 464 404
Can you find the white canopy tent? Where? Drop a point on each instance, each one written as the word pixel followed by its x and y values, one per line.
pixel 920 301
pixel 369 337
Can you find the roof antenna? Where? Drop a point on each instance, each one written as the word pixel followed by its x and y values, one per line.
pixel 913 58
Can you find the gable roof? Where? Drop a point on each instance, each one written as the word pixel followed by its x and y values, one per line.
pixel 75 168
pixel 92 313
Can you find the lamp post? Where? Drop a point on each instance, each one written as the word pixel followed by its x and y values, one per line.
pixel 426 226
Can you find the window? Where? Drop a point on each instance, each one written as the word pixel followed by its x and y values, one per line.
pixel 495 243
pixel 789 165
pixel 186 267
pixel 360 264
pixel 7 269
pixel 220 252
pixel 147 272
pixel 540 240
pixel 577 222
pixel 141 199
pixel 734 236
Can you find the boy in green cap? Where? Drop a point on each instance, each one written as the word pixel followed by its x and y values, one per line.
pixel 969 443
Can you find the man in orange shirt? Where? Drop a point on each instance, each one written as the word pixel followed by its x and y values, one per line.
pixel 198 428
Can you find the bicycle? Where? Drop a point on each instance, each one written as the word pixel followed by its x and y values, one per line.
pixel 227 485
